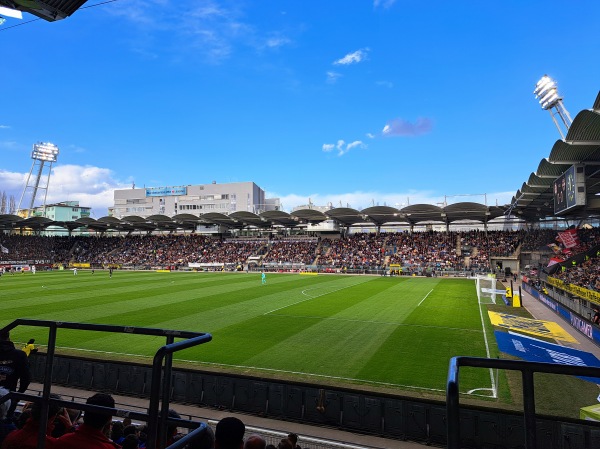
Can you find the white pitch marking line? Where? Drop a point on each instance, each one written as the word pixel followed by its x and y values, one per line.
pixel 373 382
pixel 487 351
pixel 425 297
pixel 309 297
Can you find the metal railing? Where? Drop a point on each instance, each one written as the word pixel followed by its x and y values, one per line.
pixel 527 370
pixel 161 374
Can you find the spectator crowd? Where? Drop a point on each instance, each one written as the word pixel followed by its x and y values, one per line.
pixel 414 251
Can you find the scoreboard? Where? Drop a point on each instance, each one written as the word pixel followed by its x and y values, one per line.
pixel 569 189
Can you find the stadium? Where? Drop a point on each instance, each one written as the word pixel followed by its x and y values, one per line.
pixel 458 325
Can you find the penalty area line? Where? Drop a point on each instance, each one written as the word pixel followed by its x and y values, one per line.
pixel 309 297
pixel 424 298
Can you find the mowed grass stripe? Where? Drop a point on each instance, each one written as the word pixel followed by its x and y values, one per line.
pixel 281 329
pixel 195 308
pixel 453 303
pixel 356 327
pixel 421 357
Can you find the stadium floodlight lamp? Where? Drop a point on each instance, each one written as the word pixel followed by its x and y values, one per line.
pixel 45 151
pixel 546 92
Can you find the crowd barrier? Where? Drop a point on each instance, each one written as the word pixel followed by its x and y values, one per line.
pixel 385 415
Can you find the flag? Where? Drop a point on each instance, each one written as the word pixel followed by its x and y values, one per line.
pixel 4 249
pixel 569 238
pixel 554 248
pixel 554 261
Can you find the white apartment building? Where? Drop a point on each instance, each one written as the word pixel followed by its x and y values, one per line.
pixel 192 199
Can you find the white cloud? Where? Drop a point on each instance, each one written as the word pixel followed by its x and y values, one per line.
pixel 387 84
pixel 4 127
pixel 404 128
pixel 209 30
pixel 332 77
pixel 9 145
pixel 91 186
pixel 356 143
pixel 361 200
pixel 276 42
pixel 342 147
pixel 370 135
pixel 353 58
pixel 383 3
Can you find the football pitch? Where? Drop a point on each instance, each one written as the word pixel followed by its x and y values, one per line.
pixel 396 334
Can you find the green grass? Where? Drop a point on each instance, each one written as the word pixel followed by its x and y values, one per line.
pixel 386 334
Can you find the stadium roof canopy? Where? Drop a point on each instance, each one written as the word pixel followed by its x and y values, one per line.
pixel 49 10
pixel 535 199
pixel 343 216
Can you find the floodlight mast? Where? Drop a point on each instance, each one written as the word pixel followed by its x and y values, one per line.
pixel 44 154
pixel 546 92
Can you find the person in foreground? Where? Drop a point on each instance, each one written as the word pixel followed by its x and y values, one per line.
pixel 27 437
pixel 91 434
pixel 229 433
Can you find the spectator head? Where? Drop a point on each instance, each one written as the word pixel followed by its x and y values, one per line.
pixel 205 441
pixel 172 428
pixel 130 442
pixel 293 439
pixel 4 335
pixel 31 341
pixel 116 431
pixel 53 408
pixel 230 433
pixel 5 405
pixel 98 420
pixel 285 444
pixel 255 441
pixel 130 430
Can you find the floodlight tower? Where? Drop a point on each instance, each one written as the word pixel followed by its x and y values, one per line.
pixel 44 154
pixel 547 94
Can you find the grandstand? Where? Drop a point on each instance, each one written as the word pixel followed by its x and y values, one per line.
pixel 383 382
pixel 373 327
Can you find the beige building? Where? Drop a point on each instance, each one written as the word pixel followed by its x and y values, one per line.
pixel 192 199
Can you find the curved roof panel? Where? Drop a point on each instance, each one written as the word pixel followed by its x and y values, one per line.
pixel 384 214
pixel 567 153
pixel 596 106
pixel 466 211
pixel 346 216
pixel 418 213
pixel 281 218
pixel 250 219
pixel 309 215
pixel 547 169
pixel 585 127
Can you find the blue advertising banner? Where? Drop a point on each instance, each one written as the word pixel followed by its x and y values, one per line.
pixel 534 350
pixel 166 191
pixel 582 325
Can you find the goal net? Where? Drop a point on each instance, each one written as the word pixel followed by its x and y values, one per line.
pixel 486 289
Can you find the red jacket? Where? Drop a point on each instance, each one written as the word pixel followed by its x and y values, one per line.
pixel 27 437
pixel 86 437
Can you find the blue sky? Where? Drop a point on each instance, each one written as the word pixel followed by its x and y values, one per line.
pixel 342 101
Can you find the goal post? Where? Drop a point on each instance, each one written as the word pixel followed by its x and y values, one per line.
pixel 486 289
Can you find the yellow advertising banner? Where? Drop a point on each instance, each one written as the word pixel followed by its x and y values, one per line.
pixel 79 265
pixel 540 328
pixel 584 293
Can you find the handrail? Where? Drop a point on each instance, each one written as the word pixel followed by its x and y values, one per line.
pixel 158 370
pixel 527 370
